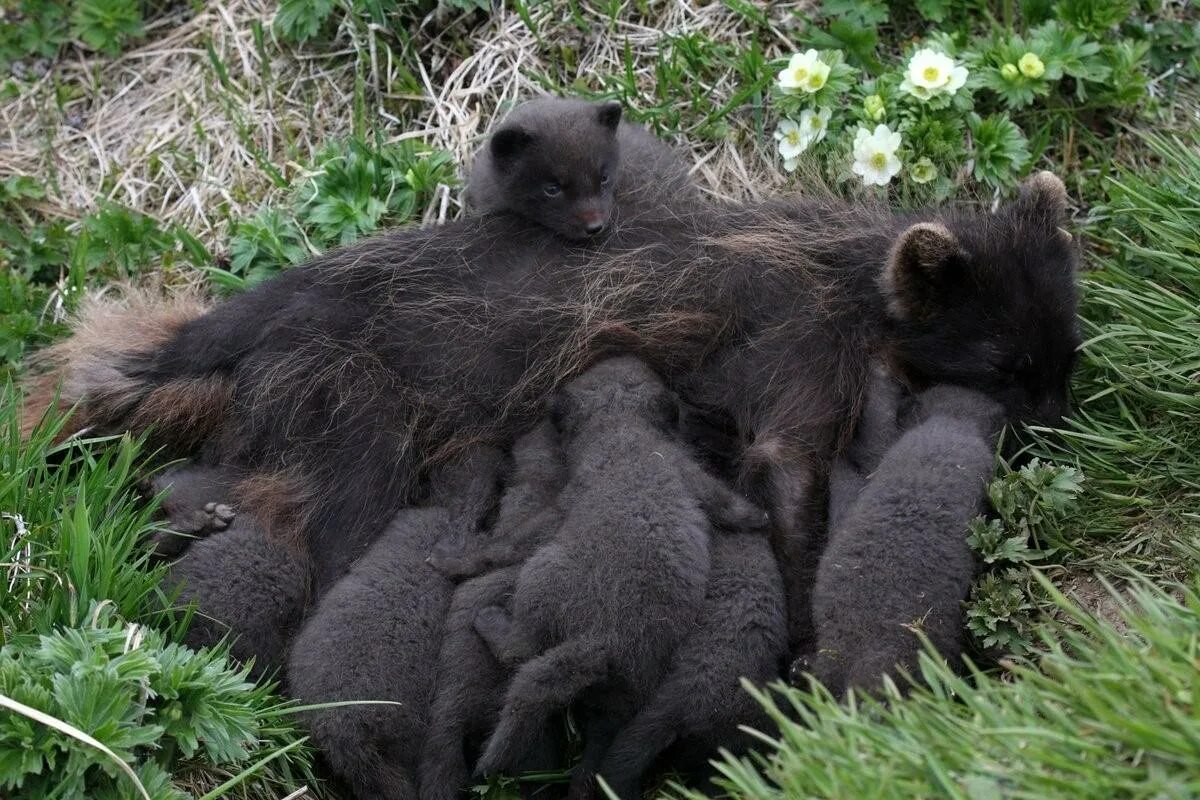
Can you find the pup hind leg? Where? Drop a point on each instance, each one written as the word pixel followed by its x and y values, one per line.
pixel 541 687
pixel 638 745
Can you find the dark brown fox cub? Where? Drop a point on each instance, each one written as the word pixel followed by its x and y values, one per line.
pixel 741 632
pixel 376 635
pixel 570 165
pixel 196 501
pixel 897 560
pixel 600 608
pixel 470 680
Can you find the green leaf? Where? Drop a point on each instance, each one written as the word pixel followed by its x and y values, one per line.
pixel 301 20
pixel 106 25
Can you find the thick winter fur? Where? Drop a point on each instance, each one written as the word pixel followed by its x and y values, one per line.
pixel 87 370
pixel 379 355
pixel 898 562
pixel 601 607
pixel 196 501
pixel 247 588
pixel 741 632
pixel 376 636
pixel 570 165
pixel 470 692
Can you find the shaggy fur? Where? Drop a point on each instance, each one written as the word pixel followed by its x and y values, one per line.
pixel 741 633
pixel 601 608
pixel 899 562
pixel 528 512
pixel 246 587
pixel 391 354
pixel 570 165
pixel 86 370
pixel 376 635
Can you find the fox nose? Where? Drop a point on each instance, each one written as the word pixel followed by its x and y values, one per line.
pixel 594 226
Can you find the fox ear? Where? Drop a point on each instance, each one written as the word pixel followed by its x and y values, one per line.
pixel 508 143
pixel 609 114
pixel 916 268
pixel 1045 193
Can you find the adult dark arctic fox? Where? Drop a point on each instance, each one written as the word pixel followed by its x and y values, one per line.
pixel 897 561
pixel 344 380
pixel 570 165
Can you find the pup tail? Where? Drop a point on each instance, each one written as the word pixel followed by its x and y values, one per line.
pixel 96 370
pixel 541 687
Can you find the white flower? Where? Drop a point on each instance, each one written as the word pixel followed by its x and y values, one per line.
pixel 791 139
pixel 814 125
pixel 930 73
pixel 875 155
pixel 805 72
pixel 790 164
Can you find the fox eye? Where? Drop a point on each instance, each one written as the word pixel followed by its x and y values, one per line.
pixel 552 189
pixel 604 179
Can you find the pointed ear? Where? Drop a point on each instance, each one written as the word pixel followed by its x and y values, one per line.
pixel 915 269
pixel 1046 193
pixel 609 114
pixel 508 143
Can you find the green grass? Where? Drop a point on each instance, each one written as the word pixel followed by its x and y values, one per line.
pixel 280 140
pixel 1106 704
pixel 86 637
pixel 1101 713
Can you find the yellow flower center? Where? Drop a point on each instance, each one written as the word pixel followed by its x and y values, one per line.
pixel 815 122
pixel 800 74
pixel 816 81
pixel 931 74
pixel 878 160
pixel 793 137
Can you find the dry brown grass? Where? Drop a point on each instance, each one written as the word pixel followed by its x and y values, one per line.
pixel 159 130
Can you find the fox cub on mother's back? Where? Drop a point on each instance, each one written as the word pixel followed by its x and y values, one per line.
pixel 572 166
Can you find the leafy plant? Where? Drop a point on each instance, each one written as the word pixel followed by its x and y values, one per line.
pixel 353 190
pixel 32 29
pixel 148 702
pixel 106 25
pixel 997 95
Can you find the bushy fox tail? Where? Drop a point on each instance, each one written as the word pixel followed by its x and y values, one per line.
pixel 95 371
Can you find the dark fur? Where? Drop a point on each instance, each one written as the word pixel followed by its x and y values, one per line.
pixel 741 633
pixel 196 501
pixel 390 354
pixel 471 681
pixel 570 165
pixel 528 512
pixel 898 561
pixel 376 635
pixel 470 694
pixel 601 607
pixel 246 587
pixel 878 429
